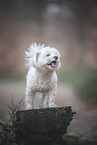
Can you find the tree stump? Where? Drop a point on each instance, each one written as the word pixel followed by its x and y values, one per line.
pixel 43 124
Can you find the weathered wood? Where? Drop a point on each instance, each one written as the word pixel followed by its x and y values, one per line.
pixel 44 124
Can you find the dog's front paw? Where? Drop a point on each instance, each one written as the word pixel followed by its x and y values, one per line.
pixel 28 107
pixel 52 105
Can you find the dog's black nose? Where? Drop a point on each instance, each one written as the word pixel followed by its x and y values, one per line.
pixel 56 57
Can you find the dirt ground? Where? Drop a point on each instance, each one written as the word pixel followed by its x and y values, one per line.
pixel 84 123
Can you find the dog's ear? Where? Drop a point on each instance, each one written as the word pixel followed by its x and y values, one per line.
pixel 35 59
pixel 37 55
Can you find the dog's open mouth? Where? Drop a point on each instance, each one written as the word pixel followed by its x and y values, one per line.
pixel 52 64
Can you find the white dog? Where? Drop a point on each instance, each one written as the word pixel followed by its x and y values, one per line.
pixel 42 61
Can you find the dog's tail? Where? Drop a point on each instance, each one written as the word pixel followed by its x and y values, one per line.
pixel 29 54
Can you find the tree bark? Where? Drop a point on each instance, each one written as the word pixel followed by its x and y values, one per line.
pixel 43 124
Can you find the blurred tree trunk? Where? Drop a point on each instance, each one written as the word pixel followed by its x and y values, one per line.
pixel 82 16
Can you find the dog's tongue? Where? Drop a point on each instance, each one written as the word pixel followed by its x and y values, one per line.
pixel 53 64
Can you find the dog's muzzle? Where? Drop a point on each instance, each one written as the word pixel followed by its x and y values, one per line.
pixel 53 64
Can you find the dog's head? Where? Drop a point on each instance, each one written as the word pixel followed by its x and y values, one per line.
pixel 47 58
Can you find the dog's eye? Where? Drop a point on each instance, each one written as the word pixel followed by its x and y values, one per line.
pixel 48 55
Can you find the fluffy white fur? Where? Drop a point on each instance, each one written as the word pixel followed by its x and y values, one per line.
pixel 42 61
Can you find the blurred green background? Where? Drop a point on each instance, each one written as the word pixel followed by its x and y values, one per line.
pixel 83 81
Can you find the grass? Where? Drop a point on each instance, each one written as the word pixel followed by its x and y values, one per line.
pixel 84 82
pixel 12 110
pixel 12 77
pixel 8 129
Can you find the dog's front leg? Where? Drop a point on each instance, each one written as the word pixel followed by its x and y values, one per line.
pixel 52 95
pixel 50 99
pixel 29 99
pixel 42 100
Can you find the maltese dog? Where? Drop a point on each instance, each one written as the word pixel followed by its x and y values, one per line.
pixel 42 62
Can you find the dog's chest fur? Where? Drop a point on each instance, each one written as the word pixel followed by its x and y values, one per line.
pixel 40 82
